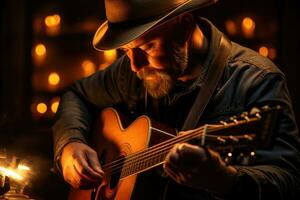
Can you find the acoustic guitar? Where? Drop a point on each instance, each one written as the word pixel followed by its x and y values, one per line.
pixel 143 145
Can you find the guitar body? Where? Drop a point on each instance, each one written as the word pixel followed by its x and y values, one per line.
pixel 111 141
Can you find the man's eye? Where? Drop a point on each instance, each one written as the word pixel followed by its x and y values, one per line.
pixel 149 46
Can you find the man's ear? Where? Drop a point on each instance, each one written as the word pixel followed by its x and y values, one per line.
pixel 186 26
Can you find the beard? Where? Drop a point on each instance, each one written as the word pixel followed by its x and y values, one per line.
pixel 159 83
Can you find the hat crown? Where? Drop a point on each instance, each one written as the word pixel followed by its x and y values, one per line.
pixel 118 11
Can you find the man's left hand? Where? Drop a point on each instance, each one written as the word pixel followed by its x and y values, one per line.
pixel 199 168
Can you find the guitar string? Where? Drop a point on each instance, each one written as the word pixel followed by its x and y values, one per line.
pixel 129 157
pixel 134 155
pixel 154 150
pixel 126 169
pixel 146 154
pixel 148 161
pixel 155 147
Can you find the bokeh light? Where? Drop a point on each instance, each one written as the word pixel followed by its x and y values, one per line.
pixel 40 49
pixel 41 108
pixel 263 51
pixel 248 27
pixel 110 55
pixel 88 67
pixel 53 79
pixel 52 20
pixel 54 104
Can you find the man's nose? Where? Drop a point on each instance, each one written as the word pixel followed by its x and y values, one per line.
pixel 138 59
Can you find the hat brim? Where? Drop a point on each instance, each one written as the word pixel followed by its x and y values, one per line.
pixel 111 36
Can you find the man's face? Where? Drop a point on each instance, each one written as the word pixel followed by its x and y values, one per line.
pixel 157 59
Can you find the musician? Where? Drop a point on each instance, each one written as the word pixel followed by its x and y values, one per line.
pixel 168 52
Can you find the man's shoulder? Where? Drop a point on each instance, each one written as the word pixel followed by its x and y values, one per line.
pixel 244 57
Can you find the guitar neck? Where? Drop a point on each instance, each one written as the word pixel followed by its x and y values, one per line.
pixel 155 155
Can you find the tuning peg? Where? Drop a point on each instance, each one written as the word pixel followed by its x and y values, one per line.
pixel 246 118
pixel 223 123
pixel 266 108
pixel 221 140
pixel 245 115
pixel 234 120
pixel 258 115
pixel 248 137
pixel 235 139
pixel 254 110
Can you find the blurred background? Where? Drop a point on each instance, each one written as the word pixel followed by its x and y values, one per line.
pixel 46 45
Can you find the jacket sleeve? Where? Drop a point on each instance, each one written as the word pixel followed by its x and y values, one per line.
pixel 275 174
pixel 83 100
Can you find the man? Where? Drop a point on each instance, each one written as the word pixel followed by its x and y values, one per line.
pixel 168 54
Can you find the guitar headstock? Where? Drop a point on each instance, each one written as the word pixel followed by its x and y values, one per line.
pixel 249 130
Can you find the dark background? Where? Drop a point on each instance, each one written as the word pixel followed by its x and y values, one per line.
pixel 27 135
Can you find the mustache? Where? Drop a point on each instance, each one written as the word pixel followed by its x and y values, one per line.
pixel 150 72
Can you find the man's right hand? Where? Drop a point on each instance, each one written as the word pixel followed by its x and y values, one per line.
pixel 80 166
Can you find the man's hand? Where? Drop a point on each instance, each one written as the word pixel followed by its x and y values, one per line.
pixel 200 168
pixel 80 166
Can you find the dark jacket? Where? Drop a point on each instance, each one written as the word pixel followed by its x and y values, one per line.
pixel 248 80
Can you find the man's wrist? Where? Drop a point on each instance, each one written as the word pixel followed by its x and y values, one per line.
pixel 58 165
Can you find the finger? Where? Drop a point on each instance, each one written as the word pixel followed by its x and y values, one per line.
pixel 84 170
pixel 78 182
pixel 191 152
pixel 94 163
pixel 173 156
pixel 170 171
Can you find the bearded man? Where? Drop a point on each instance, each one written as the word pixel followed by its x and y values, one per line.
pixel 171 60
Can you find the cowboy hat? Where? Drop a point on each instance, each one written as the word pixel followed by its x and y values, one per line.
pixel 129 19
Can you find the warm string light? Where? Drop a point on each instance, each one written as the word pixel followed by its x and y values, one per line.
pixel 248 27
pixel 52 20
pixel 40 50
pixel 269 52
pixel 110 55
pixel 53 79
pixel 52 23
pixel 88 67
pixel 41 108
pixel 54 104
pixel 263 51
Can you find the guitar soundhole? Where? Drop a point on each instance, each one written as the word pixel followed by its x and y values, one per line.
pixel 115 177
